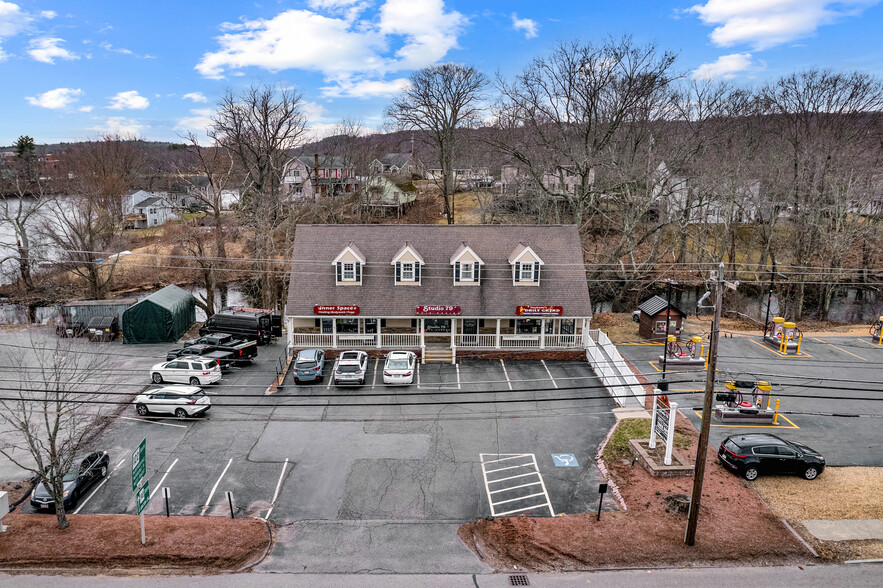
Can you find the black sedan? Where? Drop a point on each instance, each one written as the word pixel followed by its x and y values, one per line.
pixel 760 453
pixel 76 482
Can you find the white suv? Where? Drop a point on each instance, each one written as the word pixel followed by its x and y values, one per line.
pixel 181 401
pixel 187 371
pixel 351 368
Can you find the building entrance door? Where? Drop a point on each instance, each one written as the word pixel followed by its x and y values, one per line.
pixel 470 330
pixel 437 330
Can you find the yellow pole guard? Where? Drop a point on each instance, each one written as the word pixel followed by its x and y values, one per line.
pixel 783 348
pixel 671 338
pixel 799 341
pixel 776 416
pixel 880 342
pixel 706 358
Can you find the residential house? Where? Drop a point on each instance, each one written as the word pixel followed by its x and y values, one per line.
pixel 147 209
pixel 465 177
pixel 404 164
pixel 707 200
pixel 379 192
pixel 513 179
pixel 307 177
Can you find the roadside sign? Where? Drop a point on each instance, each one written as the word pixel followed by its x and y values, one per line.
pixel 142 496
pixel 139 464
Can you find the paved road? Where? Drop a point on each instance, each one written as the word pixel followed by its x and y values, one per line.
pixel 821 576
pixel 839 367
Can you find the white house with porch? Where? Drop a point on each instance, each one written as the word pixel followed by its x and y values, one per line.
pixel 451 289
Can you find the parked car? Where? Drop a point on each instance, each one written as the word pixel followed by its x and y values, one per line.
pixel 309 365
pixel 254 325
pixel 187 371
pixel 76 482
pixel 399 367
pixel 761 453
pixel 224 358
pixel 351 368
pixel 243 350
pixel 181 401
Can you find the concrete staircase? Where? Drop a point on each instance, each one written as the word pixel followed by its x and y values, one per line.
pixel 438 354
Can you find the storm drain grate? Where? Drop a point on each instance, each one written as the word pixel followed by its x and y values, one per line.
pixel 519 581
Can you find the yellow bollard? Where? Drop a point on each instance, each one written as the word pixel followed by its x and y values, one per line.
pixel 799 341
pixel 776 416
pixel 783 349
pixel 880 342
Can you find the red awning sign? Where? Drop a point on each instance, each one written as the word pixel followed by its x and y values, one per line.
pixel 438 309
pixel 539 310
pixel 336 309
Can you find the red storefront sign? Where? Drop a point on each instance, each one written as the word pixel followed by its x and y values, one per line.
pixel 539 310
pixel 438 309
pixel 336 309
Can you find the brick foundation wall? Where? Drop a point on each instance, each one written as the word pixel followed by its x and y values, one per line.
pixel 559 354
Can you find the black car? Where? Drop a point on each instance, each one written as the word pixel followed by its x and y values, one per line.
pixel 761 453
pixel 76 482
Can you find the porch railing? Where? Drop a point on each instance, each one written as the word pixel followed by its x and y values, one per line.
pixel 412 341
pixel 402 341
pixel 564 341
pixel 475 340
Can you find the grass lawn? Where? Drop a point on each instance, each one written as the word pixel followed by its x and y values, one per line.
pixel 618 446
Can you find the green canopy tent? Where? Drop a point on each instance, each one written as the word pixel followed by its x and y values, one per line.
pixel 162 317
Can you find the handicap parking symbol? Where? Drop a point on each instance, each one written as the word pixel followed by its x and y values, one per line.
pixel 565 460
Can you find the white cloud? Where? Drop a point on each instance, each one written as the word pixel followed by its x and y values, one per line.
pixel 118 125
pixel 312 110
pixel 130 100
pixel 55 99
pixel 85 108
pixel 108 47
pixel 767 23
pixel 48 14
pixel 353 49
pixel 529 26
pixel 47 50
pixel 13 19
pixel 348 88
pixel 195 96
pixel 199 121
pixel 726 67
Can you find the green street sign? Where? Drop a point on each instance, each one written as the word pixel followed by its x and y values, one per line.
pixel 139 464
pixel 142 496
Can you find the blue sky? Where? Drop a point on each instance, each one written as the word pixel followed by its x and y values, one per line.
pixel 76 70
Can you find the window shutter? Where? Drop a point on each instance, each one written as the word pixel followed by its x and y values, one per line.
pixel 457 272
pixel 339 271
pixel 398 271
pixel 416 271
pixel 358 272
pixel 476 269
pixel 536 272
pixel 517 274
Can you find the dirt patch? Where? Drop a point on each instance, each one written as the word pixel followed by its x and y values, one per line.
pixel 111 542
pixel 735 525
pixel 617 448
pixel 16 490
pixel 839 493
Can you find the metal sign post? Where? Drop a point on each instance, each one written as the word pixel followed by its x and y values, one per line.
pixel 602 489
pixel 166 494
pixel 142 498
pixel 230 502
pixel 139 482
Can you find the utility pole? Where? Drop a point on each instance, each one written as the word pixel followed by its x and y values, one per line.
pixel 667 325
pixel 702 449
pixel 769 299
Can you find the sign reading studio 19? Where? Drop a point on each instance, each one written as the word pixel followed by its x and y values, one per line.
pixel 663 423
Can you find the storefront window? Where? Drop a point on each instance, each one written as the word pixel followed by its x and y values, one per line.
pixel 370 325
pixel 527 326
pixel 568 326
pixel 327 326
pixel 347 325
pixel 433 325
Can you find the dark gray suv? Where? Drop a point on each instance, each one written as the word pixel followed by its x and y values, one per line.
pixel 309 366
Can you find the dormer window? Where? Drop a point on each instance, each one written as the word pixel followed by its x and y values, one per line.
pixel 525 266
pixel 407 264
pixel 348 266
pixel 467 266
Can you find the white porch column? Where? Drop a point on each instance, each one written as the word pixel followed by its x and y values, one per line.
pixel 585 333
pixel 379 320
pixel 334 333
pixel 542 333
pixel 498 334
pixel 422 326
pixel 453 332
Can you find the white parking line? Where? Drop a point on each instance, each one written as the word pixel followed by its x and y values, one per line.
pixel 554 383
pixel 508 381
pixel 374 380
pixel 458 375
pixel 331 375
pixel 276 493
pixel 418 375
pixel 163 479
pixel 535 471
pixel 215 487
pixel 98 487
pixel 153 422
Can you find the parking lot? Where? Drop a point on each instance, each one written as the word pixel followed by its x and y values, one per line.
pixel 324 453
pixel 834 367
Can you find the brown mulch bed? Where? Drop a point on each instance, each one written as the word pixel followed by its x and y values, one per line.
pixel 16 490
pixel 735 526
pixel 111 542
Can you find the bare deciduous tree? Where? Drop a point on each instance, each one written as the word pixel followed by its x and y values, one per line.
pixel 260 127
pixel 440 100
pixel 52 416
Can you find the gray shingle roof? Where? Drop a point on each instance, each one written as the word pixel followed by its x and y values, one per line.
pixel 562 280
pixel 396 159
pixel 655 305
pixel 148 202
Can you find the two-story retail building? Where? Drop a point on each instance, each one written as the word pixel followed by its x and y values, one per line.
pixel 477 290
